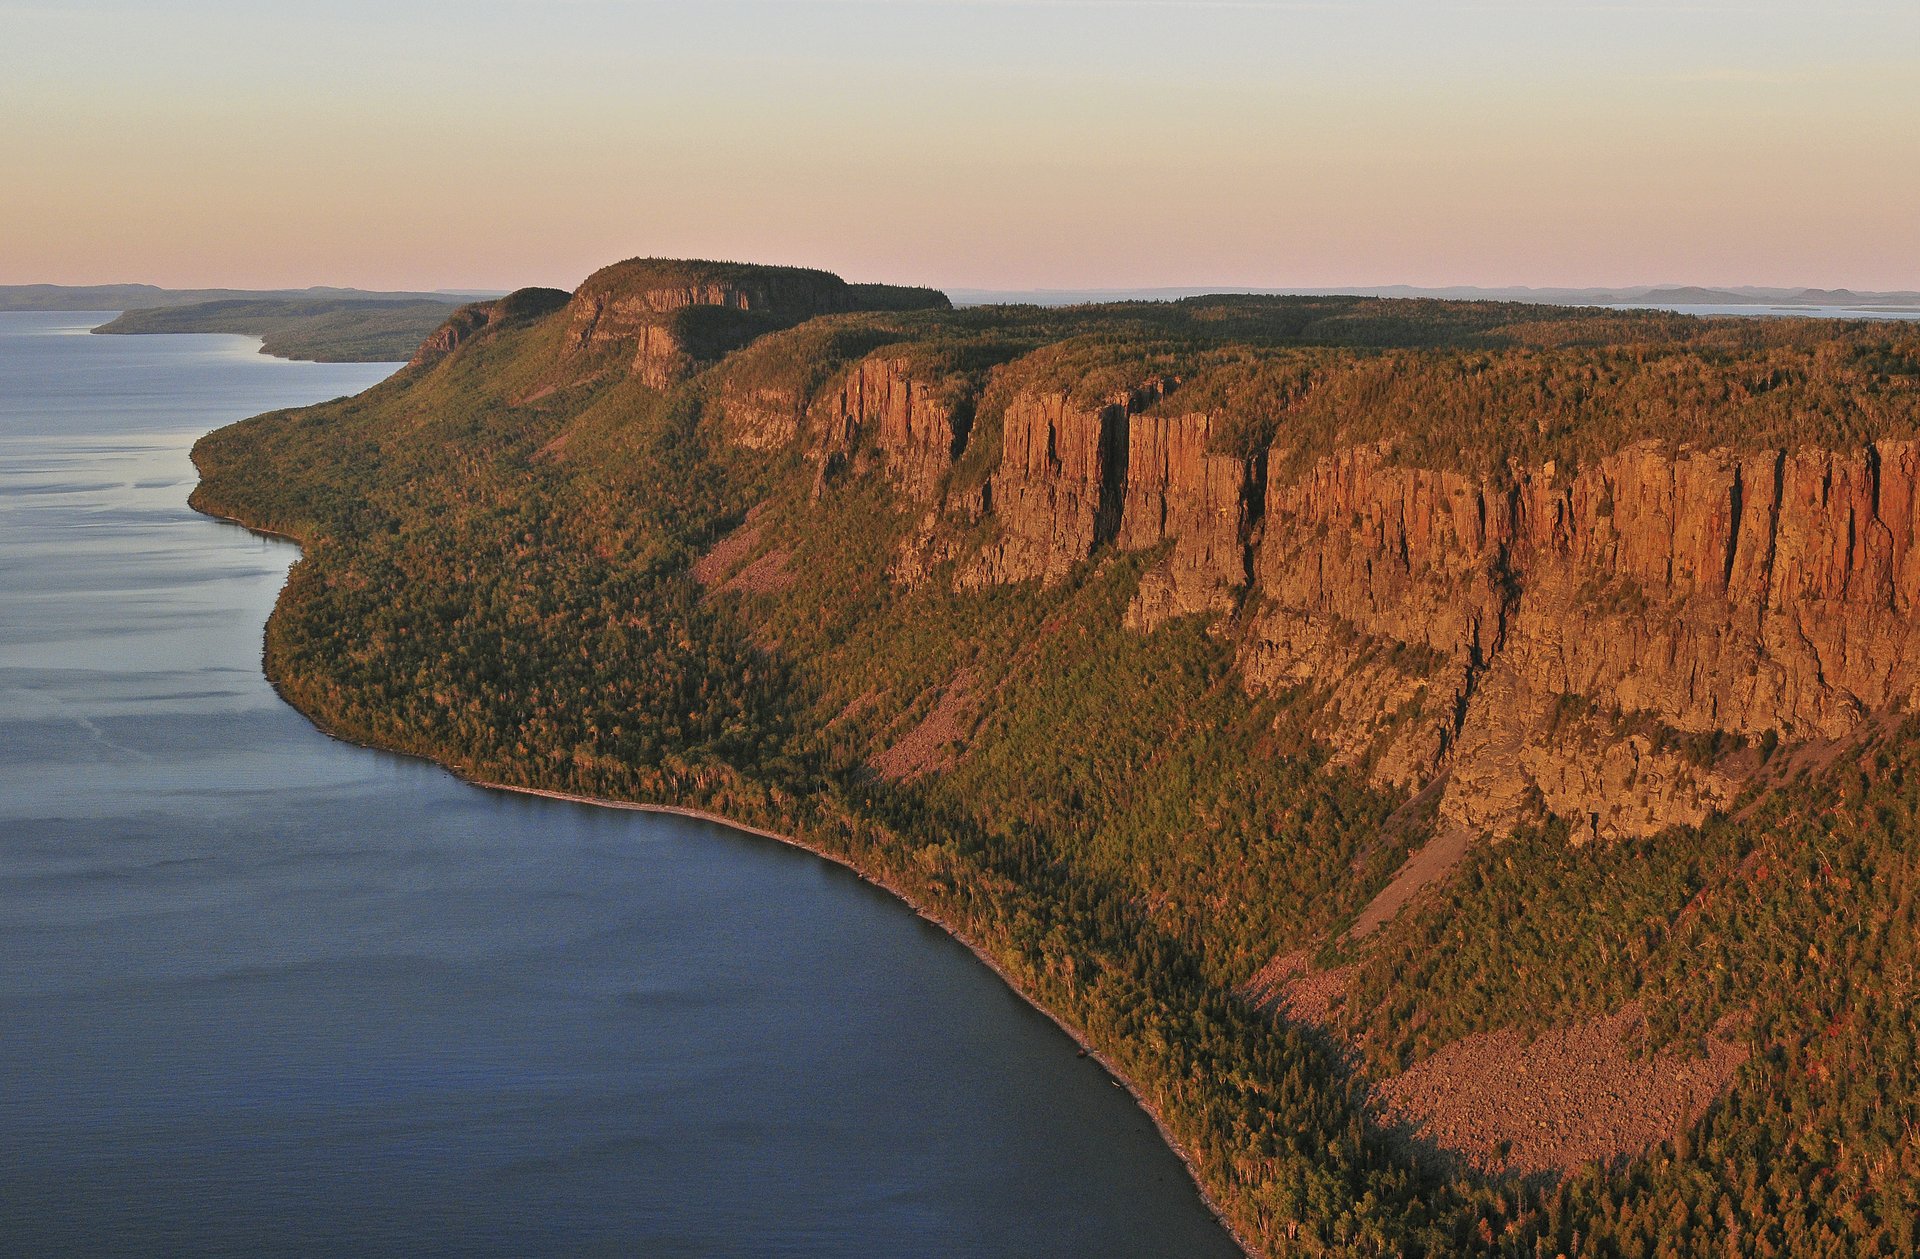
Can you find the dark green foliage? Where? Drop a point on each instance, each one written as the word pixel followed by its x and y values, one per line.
pixel 530 303
pixel 897 297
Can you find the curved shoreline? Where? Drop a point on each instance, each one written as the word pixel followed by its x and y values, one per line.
pixel 1073 1033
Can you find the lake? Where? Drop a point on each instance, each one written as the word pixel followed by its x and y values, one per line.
pixel 262 993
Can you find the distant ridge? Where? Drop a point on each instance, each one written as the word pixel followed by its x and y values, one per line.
pixel 151 297
pixel 1653 294
pixel 319 329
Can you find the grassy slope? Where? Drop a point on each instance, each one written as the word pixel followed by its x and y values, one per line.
pixel 503 586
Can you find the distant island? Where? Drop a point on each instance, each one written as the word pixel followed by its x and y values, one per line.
pixel 1453 760
pixel 149 296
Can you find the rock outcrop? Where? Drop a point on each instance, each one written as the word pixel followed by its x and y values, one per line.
pixel 1206 505
pixel 1058 491
pixel 475 318
pixel 1599 644
pixel 1563 644
pixel 919 427
pixel 761 416
pixel 621 303
pixel 668 317
pixel 1696 591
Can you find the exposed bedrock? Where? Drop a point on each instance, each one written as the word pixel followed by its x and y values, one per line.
pixel 918 426
pixel 1668 593
pixel 761 416
pixel 1059 490
pixel 1560 644
pixel 1601 645
pixel 1206 505
pixel 671 316
pixel 619 303
pixel 649 326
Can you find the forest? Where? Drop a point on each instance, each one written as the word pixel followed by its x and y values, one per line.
pixel 503 571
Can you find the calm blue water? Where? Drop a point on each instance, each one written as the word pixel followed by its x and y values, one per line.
pixel 262 993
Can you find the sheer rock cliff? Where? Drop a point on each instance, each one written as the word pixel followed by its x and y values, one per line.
pixel 668 317
pixel 1058 491
pixel 1602 644
pixel 1618 644
pixel 918 426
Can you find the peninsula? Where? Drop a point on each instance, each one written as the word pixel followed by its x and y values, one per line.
pixel 317 329
pixel 1449 758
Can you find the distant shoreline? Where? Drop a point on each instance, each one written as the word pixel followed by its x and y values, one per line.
pixel 323 330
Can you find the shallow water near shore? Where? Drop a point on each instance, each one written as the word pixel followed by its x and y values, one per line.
pixel 265 993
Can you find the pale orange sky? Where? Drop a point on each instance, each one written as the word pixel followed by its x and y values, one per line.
pixel 986 143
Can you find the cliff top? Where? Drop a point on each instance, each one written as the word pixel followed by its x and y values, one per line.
pixel 773 289
pixel 1480 386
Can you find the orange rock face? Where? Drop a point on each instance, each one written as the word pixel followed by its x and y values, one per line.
pixel 761 417
pixel 631 307
pixel 1596 644
pixel 1058 491
pixel 1205 504
pixel 611 311
pixel 1701 590
pixel 919 427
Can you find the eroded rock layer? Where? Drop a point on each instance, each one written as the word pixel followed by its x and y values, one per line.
pixel 1597 643
pixel 1180 492
pixel 918 426
pixel 667 317
pixel 1566 628
pixel 1059 488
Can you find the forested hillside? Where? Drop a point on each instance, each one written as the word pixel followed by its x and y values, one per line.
pixel 1450 757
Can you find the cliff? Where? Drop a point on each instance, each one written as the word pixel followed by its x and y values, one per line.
pixel 469 321
pixel 1761 595
pixel 1603 644
pixel 1058 491
pixel 918 426
pixel 1179 490
pixel 666 317
pixel 1446 623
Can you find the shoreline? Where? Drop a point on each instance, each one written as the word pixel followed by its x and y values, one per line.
pixel 105 329
pixel 1073 1033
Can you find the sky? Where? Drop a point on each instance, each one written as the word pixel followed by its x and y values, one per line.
pixel 1001 144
